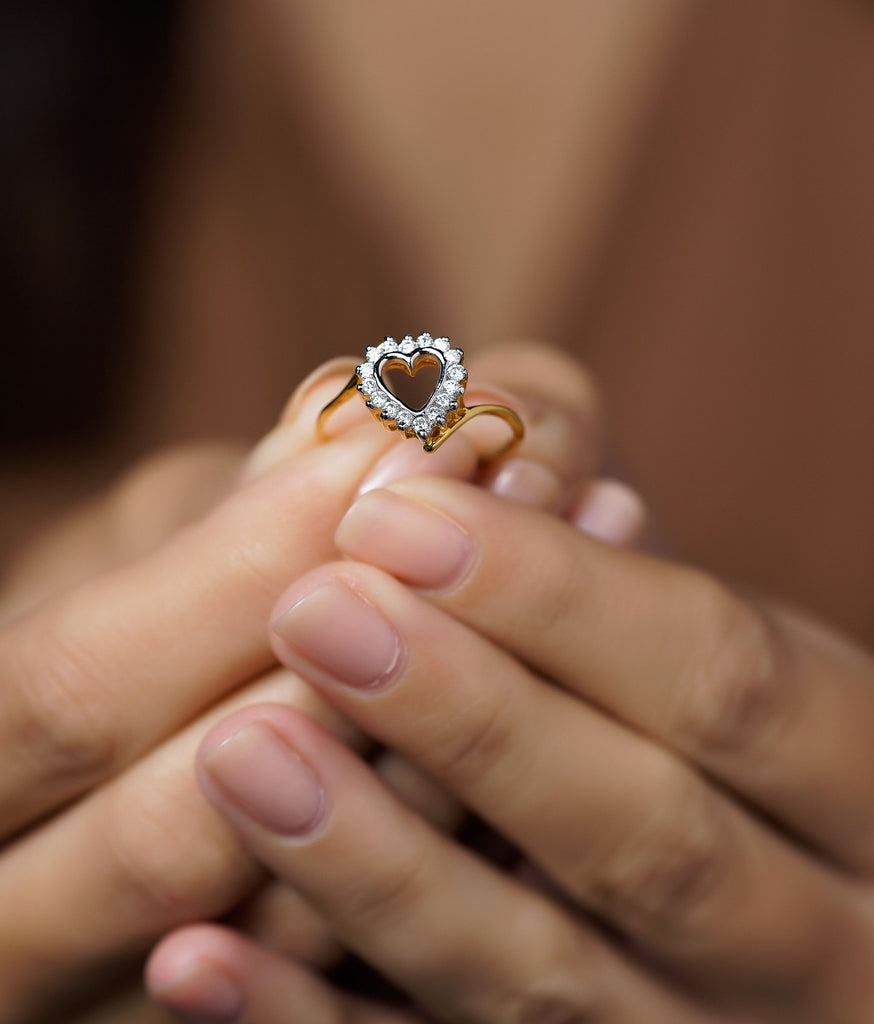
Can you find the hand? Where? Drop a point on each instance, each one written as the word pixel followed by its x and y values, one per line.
pixel 117 658
pixel 692 768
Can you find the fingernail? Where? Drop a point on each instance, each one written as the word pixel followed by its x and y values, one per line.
pixel 264 777
pixel 412 541
pixel 611 512
pixel 528 482
pixel 202 990
pixel 456 459
pixel 337 630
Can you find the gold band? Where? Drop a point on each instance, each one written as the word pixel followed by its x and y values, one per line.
pixel 440 432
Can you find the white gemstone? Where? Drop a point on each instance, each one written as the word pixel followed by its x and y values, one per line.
pixel 442 344
pixel 404 419
pixel 388 345
pixel 390 411
pixel 423 340
pixel 377 400
pixel 366 386
pixel 372 354
pixel 364 370
pixel 407 345
pixel 422 427
pixel 452 387
pixel 454 355
pixel 456 372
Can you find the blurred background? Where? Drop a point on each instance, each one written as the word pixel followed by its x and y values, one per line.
pixel 201 201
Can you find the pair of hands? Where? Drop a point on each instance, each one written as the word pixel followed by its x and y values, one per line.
pixel 129 631
pixel 679 765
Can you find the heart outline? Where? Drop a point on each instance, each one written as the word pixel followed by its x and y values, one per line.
pixel 409 360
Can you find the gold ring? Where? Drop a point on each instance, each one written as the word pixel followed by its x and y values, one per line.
pixel 443 410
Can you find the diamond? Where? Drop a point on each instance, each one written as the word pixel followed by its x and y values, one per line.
pixel 441 409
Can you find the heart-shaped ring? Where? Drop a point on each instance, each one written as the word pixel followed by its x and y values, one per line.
pixel 443 410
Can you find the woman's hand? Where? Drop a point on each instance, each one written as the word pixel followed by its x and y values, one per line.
pixel 136 630
pixel 694 769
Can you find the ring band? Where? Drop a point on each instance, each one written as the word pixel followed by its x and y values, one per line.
pixel 443 413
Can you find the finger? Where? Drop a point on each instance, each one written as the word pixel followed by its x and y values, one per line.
pixel 210 973
pixel 96 677
pixel 295 430
pixel 609 511
pixel 561 403
pixel 737 690
pixel 280 919
pixel 620 823
pixel 165 491
pixel 462 939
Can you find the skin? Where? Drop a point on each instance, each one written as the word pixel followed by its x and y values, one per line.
pixel 131 630
pixel 688 765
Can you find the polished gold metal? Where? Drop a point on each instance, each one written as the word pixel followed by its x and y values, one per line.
pixel 348 391
pixel 439 435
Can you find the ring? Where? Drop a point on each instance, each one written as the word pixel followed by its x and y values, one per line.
pixel 442 411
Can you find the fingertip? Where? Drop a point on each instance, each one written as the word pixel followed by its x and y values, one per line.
pixel 457 460
pixel 612 512
pixel 528 482
pixel 191 972
pixel 332 370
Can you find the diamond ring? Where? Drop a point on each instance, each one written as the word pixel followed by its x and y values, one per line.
pixel 431 409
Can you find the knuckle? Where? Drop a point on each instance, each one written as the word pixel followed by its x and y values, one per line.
pixel 555 596
pixel 542 1005
pixel 385 895
pixel 169 859
pixel 550 987
pixel 670 872
pixel 734 696
pixel 471 748
pixel 60 718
